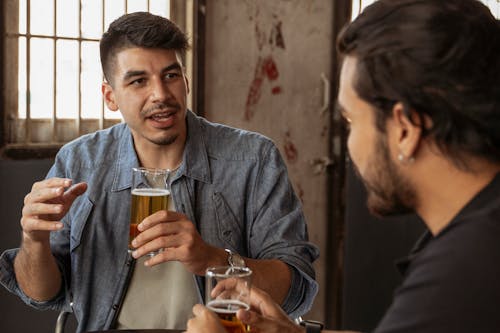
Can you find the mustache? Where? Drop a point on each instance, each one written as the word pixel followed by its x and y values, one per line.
pixel 162 107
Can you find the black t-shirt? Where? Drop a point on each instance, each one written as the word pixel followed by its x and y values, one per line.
pixel 452 280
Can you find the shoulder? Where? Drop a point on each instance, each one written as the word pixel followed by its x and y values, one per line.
pixel 223 141
pixel 94 148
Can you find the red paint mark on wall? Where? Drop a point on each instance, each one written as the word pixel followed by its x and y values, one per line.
pixel 266 68
pixel 291 152
pixel 269 67
pixel 276 90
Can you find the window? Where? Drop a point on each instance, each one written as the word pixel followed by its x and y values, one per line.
pixel 51 69
pixel 359 5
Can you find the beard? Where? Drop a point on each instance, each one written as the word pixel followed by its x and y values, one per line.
pixel 389 193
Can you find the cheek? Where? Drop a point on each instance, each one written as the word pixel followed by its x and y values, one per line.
pixel 353 146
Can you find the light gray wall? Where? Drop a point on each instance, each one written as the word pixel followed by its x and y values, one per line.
pixel 264 66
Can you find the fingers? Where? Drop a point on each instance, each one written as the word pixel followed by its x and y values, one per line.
pixel 51 183
pixel 75 191
pixel 204 321
pixel 262 302
pixel 30 224
pixel 47 203
pixel 164 233
pixel 260 323
pixel 199 310
pixel 161 217
pixel 45 191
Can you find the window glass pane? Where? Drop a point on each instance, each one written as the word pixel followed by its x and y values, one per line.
pixel 137 6
pixel 91 80
pixel 91 18
pixel 494 6
pixel 358 6
pixel 22 16
pixel 42 17
pixel 67 79
pixel 160 7
pixel 22 79
pixel 112 10
pixel 41 78
pixel 68 18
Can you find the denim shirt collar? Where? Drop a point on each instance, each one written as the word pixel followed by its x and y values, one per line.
pixel 195 162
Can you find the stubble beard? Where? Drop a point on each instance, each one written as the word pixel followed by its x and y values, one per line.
pixel 389 193
pixel 165 141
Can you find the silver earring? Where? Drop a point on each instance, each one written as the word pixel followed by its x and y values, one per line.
pixel 405 160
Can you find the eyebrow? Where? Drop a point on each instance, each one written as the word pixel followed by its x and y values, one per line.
pixel 130 74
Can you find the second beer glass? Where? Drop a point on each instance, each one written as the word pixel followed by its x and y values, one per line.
pixel 150 193
pixel 227 291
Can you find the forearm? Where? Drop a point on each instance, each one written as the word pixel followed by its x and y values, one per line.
pixel 272 276
pixel 36 271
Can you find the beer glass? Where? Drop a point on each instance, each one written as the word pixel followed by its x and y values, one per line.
pixel 150 193
pixel 227 291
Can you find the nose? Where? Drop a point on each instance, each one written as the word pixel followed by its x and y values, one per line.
pixel 159 91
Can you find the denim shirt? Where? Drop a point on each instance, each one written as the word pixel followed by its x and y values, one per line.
pixel 232 184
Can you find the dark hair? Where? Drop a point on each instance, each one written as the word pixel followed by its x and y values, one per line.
pixel 440 59
pixel 139 29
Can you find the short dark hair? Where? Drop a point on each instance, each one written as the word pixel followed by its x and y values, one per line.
pixel 140 29
pixel 440 59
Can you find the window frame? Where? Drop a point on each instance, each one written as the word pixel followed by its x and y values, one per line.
pixel 181 11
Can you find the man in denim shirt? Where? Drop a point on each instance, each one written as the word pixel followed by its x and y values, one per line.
pixel 230 190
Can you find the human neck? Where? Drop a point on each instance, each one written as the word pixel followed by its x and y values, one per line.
pixel 160 156
pixel 443 189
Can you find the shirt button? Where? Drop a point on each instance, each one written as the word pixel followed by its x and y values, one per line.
pixel 115 307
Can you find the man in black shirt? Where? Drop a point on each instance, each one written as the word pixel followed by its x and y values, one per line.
pixel 420 89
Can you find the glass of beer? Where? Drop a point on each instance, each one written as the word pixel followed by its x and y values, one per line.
pixel 227 291
pixel 150 193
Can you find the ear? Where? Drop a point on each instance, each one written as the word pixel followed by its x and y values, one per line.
pixel 109 96
pixel 408 132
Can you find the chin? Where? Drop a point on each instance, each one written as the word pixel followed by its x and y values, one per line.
pixel 166 140
pixel 387 206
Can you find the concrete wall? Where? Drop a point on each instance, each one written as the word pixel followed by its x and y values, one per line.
pixel 264 62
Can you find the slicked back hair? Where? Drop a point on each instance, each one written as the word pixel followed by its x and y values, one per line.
pixel 441 60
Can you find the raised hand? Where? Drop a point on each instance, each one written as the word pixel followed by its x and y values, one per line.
pixel 46 204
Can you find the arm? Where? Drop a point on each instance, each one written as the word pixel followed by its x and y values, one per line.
pixel 35 267
pixel 265 316
pixel 276 237
pixel 173 232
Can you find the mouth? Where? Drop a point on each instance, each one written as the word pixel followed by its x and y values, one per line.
pixel 162 119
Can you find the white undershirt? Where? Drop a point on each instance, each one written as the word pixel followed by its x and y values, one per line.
pixel 159 297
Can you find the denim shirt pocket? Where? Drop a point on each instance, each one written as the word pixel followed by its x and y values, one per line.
pixel 229 229
pixel 78 221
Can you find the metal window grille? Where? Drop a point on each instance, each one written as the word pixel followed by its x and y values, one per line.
pixel 55 94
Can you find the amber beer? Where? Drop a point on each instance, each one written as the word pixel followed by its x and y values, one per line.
pixel 226 310
pixel 145 201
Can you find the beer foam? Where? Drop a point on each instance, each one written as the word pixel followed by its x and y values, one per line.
pixel 227 306
pixel 150 192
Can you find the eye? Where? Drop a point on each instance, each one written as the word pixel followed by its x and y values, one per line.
pixel 137 82
pixel 171 76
